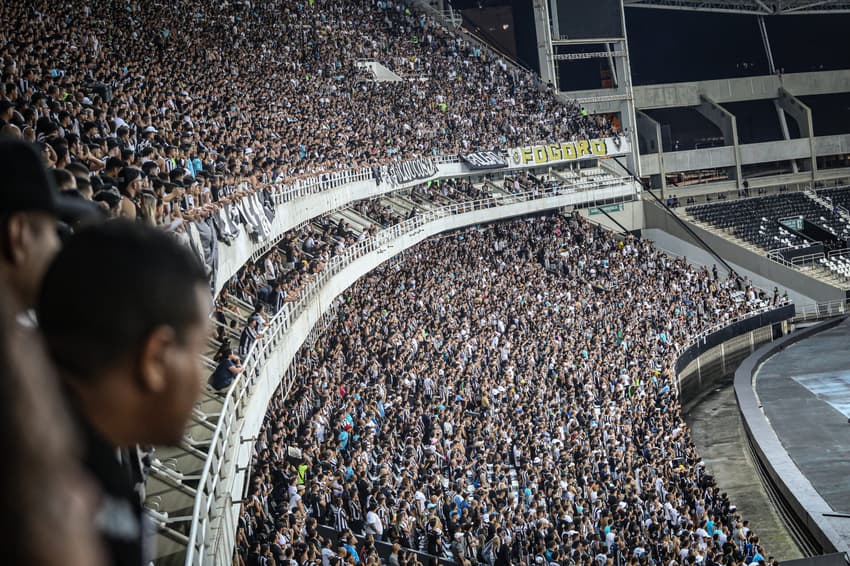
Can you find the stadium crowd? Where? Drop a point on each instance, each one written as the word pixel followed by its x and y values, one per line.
pixel 501 396
pixel 279 277
pixel 167 111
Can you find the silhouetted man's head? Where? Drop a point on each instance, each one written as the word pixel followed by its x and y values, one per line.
pixel 123 309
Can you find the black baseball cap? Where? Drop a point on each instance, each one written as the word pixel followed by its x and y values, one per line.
pixel 25 186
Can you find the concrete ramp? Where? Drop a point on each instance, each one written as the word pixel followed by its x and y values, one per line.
pixel 380 73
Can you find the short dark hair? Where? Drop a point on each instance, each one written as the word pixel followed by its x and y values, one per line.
pixel 61 176
pixel 113 163
pixel 78 170
pixel 109 288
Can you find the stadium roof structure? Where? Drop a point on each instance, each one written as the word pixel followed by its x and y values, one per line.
pixel 753 7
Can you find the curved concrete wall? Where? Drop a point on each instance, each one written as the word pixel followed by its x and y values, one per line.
pixel 806 503
pixel 291 213
pixel 298 208
pixel 705 363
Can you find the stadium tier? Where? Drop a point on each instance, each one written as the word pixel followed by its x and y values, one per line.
pixel 838 197
pixel 771 222
pixel 457 406
pixel 804 230
pixel 428 344
pixel 297 107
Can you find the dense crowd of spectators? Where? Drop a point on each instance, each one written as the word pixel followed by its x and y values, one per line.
pixel 166 111
pixel 279 277
pixel 501 396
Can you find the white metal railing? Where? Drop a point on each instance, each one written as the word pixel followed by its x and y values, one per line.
pixel 298 199
pixel 704 334
pixel 839 253
pixel 807 260
pixel 301 188
pixel 817 311
pixel 225 438
pixel 291 189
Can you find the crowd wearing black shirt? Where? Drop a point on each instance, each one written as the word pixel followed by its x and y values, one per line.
pixel 505 395
pixel 167 111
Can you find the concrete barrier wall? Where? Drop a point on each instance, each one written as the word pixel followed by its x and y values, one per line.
pixel 673 95
pixel 714 365
pixel 802 498
pixel 631 217
pixel 294 212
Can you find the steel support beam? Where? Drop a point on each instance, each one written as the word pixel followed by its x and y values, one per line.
pixel 750 7
pixel 545 52
pixel 771 66
pixel 553 12
pixel 618 100
pixel 590 55
pixel 612 64
pixel 649 139
pixel 741 89
pixel 565 41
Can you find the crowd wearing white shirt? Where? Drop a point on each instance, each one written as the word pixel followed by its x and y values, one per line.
pixel 505 395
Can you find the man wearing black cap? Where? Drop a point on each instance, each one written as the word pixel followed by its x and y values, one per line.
pixel 30 204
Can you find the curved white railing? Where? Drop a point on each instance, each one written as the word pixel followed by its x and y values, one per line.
pixel 297 200
pixel 817 311
pixel 216 481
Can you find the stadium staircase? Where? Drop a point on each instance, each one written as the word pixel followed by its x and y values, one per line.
pixel 829 203
pixel 818 199
pixel 442 11
pixel 174 471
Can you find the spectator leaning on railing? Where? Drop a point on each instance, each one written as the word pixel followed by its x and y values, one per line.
pixel 229 365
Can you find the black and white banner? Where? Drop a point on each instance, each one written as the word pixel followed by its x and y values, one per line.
pixel 481 160
pixel 407 171
pixel 252 213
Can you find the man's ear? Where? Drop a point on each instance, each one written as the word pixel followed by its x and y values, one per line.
pixel 154 360
pixel 13 248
